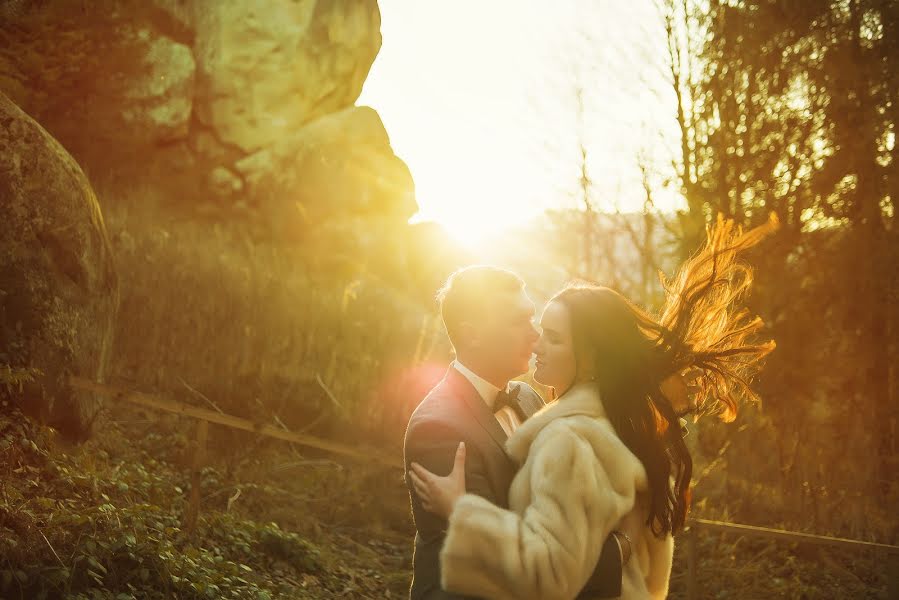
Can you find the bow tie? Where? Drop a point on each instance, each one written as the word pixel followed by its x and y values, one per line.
pixel 509 399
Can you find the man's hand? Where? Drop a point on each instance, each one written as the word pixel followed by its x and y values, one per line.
pixel 439 494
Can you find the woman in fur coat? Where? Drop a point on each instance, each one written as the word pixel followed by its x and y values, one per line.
pixel 608 454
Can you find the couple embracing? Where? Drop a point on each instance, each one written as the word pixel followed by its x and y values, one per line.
pixel 514 498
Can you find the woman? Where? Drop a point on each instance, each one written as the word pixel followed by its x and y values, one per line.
pixel 608 454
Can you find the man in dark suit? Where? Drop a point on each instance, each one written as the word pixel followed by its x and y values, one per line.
pixel 489 320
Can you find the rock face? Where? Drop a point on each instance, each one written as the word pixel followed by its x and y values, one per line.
pixel 112 82
pixel 218 103
pixel 340 164
pixel 58 288
pixel 267 67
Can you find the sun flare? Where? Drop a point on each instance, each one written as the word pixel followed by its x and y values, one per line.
pixel 487 126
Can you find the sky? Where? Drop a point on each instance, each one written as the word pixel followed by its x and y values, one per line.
pixel 479 98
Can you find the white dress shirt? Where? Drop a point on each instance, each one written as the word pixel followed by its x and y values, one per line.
pixel 506 417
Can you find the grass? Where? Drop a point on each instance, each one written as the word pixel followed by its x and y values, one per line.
pixel 309 334
pixel 106 518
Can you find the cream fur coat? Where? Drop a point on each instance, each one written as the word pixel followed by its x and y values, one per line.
pixel 577 482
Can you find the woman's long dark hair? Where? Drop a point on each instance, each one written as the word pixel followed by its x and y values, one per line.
pixel 630 353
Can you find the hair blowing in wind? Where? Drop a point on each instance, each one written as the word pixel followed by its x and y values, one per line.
pixel 703 325
pixel 705 335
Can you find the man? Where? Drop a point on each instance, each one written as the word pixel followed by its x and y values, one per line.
pixel 489 320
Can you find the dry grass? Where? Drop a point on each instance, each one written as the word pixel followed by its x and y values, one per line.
pixel 300 334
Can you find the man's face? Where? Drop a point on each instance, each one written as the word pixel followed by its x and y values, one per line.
pixel 506 337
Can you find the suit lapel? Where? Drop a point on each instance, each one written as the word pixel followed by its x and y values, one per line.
pixel 529 401
pixel 477 406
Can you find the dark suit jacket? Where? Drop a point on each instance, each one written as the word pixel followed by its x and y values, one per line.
pixel 451 413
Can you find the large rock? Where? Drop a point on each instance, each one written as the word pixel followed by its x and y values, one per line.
pixel 109 85
pixel 338 166
pixel 267 67
pixel 221 107
pixel 58 288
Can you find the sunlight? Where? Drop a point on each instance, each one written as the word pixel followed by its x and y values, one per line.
pixel 482 109
pixel 472 232
pixel 479 200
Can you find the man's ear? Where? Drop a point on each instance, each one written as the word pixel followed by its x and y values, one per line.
pixel 470 334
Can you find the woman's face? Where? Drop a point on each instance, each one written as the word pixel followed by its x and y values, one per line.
pixel 556 362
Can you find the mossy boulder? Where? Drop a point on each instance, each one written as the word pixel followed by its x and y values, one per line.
pixel 58 287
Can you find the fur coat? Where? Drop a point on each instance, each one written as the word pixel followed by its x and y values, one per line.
pixel 577 483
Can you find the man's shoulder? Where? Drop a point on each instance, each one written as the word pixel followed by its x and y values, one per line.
pixel 440 410
pixel 436 402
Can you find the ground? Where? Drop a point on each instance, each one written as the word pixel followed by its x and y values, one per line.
pixel 106 519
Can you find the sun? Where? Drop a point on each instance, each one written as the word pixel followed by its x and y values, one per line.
pixel 472 226
pixel 465 232
pixel 488 201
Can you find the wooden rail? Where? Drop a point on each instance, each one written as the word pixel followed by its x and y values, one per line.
pixel 204 417
pixel 188 410
pixel 695 525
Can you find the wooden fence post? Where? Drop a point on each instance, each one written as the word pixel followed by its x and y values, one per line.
pixel 893 574
pixel 197 459
pixel 692 562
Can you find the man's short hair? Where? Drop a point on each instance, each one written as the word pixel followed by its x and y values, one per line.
pixel 468 290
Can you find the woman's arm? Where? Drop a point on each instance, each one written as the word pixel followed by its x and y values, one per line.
pixel 580 489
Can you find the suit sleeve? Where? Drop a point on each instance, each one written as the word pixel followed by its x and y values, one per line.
pixel 433 445
pixel 549 551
